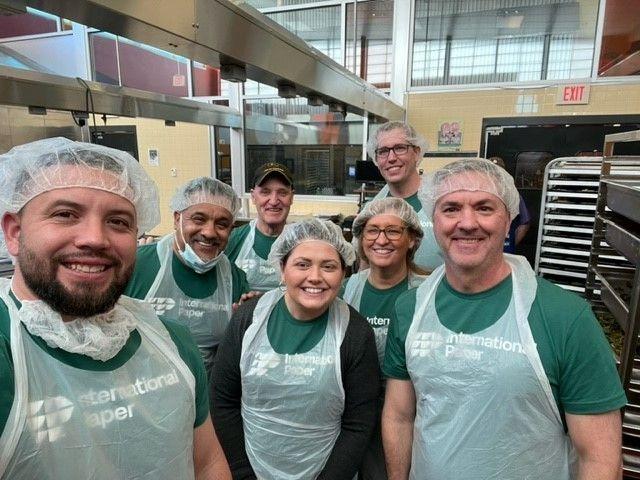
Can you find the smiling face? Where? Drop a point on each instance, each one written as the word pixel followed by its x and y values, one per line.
pixel 205 227
pixel 382 252
pixel 470 227
pixel 273 201
pixel 312 274
pixel 75 249
pixel 397 169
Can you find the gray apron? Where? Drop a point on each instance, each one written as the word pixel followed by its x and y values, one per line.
pixel 292 405
pixel 206 318
pixel 484 406
pixel 133 422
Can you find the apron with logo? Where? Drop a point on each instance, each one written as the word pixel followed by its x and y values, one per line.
pixel 428 254
pixel 353 294
pixel 484 406
pixel 207 318
pixel 262 275
pixel 292 405
pixel 66 423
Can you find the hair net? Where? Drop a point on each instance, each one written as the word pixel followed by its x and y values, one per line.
pixel 206 190
pixel 413 137
pixel 473 174
pixel 28 170
pixel 388 206
pixel 307 230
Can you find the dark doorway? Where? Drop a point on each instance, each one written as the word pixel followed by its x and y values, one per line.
pixel 122 137
pixel 527 144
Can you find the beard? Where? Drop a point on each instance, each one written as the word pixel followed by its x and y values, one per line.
pixel 39 275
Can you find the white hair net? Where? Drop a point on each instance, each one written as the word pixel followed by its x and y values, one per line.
pixel 472 174
pixel 412 137
pixel 29 170
pixel 388 206
pixel 307 230
pixel 206 190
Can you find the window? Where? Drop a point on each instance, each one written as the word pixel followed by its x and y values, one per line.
pixel 483 41
pixel 318 146
pixel 319 27
pixel 620 53
pixel 119 61
pixel 31 23
pixel 206 80
pixel 373 41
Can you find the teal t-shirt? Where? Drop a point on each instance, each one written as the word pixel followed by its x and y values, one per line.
pixel 414 201
pixel 288 335
pixel 574 352
pixel 261 243
pixel 192 284
pixel 377 305
pixel 179 334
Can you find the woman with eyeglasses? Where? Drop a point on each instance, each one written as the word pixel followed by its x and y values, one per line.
pixel 296 379
pixel 388 233
pixel 397 148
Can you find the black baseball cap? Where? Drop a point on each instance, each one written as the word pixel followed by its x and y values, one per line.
pixel 271 169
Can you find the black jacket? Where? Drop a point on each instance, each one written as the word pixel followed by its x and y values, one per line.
pixel 360 380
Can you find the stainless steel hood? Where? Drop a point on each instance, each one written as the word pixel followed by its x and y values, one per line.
pixel 221 32
pixel 36 89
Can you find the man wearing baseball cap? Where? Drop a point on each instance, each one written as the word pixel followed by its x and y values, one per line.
pixel 249 245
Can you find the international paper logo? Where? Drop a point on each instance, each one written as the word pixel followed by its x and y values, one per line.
pixel 162 305
pixel 46 418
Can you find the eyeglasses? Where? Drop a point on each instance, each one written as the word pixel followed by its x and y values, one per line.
pixel 400 149
pixel 392 232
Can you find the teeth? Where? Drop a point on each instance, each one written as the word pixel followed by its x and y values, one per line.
pixel 205 244
pixel 469 240
pixel 382 251
pixel 87 268
pixel 312 290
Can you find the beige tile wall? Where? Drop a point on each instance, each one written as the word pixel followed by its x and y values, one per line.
pixel 184 147
pixel 427 111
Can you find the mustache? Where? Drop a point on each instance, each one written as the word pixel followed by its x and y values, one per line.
pixel 208 241
pixel 86 255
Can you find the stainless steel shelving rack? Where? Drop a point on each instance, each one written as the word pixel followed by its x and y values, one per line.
pixel 567 210
pixel 617 232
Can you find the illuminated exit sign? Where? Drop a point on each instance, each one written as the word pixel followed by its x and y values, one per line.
pixel 575 94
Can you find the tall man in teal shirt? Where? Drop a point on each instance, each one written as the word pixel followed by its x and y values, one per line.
pixel 492 371
pixel 396 148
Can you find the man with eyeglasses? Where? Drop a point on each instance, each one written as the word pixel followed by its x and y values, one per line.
pixel 396 148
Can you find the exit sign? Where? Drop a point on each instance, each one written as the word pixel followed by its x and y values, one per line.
pixel 575 94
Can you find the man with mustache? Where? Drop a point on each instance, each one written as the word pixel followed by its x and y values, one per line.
pixel 186 275
pixel 250 245
pixel 92 384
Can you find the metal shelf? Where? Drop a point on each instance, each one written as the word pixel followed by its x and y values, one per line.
pixel 614 270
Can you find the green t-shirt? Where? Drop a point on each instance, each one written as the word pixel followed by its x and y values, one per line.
pixel 180 335
pixel 261 243
pixel 414 201
pixel 192 284
pixel 377 305
pixel 290 336
pixel 573 350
